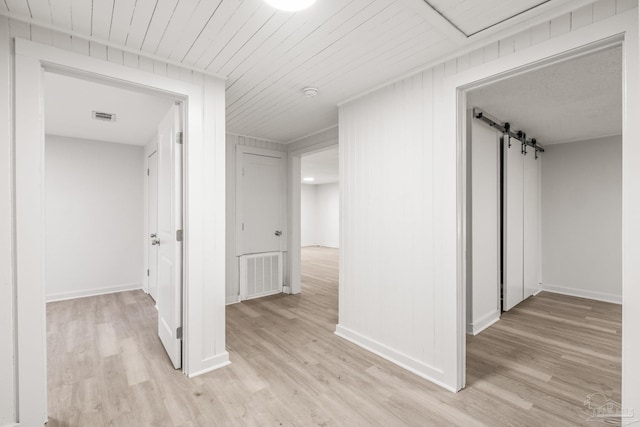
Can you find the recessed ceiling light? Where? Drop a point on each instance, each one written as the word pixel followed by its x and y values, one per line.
pixel 290 5
pixel 308 179
pixel 310 92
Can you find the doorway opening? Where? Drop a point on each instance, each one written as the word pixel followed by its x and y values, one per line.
pixel 113 258
pixel 319 222
pixel 544 233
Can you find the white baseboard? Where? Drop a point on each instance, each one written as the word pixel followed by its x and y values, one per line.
pixel 598 296
pixel 417 367
pixel 232 299
pixel 483 323
pixel 211 364
pixel 93 292
pixel 286 289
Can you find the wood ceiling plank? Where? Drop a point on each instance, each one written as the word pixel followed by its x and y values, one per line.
pixel 226 25
pixel 102 14
pixel 81 16
pixel 161 18
pixel 19 7
pixel 40 10
pixel 61 13
pixel 256 42
pixel 295 50
pixel 121 22
pixel 142 16
pixel 352 49
pixel 242 36
pixel 321 42
pixel 190 53
pixel 185 26
pixel 295 32
pixel 177 27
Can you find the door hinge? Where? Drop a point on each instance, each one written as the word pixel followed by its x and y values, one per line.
pixel 179 235
pixel 243 226
pixel 179 333
pixel 179 137
pixel 242 171
pixel 147 172
pixel 147 272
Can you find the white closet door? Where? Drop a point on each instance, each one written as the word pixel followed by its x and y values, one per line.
pixel 531 225
pixel 513 224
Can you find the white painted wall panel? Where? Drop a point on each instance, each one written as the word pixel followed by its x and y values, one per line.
pixel 387 239
pixel 582 218
pixel 328 215
pixel 7 294
pixel 320 215
pixel 308 213
pixel 94 212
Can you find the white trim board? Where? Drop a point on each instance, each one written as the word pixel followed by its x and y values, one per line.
pixel 232 299
pixel 62 296
pixel 483 323
pixel 583 293
pixel 421 369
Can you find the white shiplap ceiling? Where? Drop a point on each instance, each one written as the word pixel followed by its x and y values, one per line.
pixel 341 47
pixel 578 99
pixel 472 17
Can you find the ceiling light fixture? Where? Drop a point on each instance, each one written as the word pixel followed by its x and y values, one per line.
pixel 308 179
pixel 290 5
pixel 310 92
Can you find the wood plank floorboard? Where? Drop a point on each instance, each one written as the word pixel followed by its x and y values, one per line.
pixel 535 367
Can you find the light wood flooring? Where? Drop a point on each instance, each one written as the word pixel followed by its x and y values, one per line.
pixel 535 367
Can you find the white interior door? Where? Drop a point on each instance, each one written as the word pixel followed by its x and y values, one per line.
pixel 485 222
pixel 531 253
pixel 169 239
pixel 152 175
pixel 262 204
pixel 513 224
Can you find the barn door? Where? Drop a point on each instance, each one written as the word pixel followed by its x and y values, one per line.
pixel 513 217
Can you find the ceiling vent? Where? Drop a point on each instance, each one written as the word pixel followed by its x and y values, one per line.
pixel 105 117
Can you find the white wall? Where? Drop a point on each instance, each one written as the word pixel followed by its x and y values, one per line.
pixel 399 248
pixel 582 218
pixel 308 206
pixel 94 217
pixel 232 262
pixel 320 215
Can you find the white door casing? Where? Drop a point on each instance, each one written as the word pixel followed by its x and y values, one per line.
pixel 169 243
pixel 152 177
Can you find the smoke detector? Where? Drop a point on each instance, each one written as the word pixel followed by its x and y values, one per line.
pixel 105 117
pixel 310 92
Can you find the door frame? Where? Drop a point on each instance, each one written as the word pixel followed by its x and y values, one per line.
pixel 451 131
pixel 203 219
pixel 293 259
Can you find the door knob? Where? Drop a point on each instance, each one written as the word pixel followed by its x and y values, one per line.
pixel 155 242
pixel 278 233
pixel 153 235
